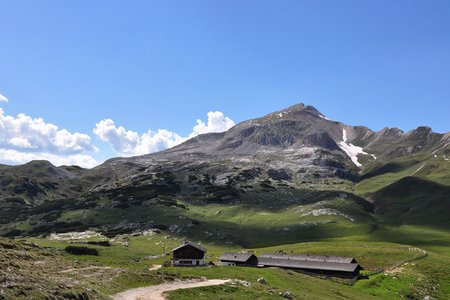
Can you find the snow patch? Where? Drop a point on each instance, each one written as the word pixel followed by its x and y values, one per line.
pixel 325 118
pixel 351 150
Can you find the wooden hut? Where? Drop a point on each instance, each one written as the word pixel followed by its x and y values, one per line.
pixel 189 254
pixel 238 259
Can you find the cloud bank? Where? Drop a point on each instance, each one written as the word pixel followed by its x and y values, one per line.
pixel 129 143
pixel 23 138
pixel 14 157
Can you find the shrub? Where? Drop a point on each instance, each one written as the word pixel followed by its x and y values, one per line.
pixel 81 250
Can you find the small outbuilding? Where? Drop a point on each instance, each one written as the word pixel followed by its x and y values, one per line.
pixel 238 259
pixel 189 254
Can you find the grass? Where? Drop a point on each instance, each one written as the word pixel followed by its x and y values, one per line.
pixel 417 279
pixel 377 176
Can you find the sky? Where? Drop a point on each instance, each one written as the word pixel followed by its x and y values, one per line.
pixel 84 81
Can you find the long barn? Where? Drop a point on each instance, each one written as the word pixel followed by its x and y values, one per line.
pixel 308 257
pixel 334 266
pixel 334 269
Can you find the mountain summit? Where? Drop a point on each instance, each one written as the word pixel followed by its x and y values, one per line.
pixel 304 128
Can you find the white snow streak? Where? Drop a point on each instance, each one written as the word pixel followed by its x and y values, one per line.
pixel 351 150
pixel 323 117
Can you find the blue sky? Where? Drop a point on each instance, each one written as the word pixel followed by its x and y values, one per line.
pixel 149 65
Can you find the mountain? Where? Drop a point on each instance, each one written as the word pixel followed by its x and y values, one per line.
pixel 295 158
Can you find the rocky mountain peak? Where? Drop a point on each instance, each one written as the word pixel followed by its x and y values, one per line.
pixel 294 112
pixel 421 130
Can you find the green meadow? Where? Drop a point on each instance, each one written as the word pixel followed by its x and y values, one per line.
pixel 424 252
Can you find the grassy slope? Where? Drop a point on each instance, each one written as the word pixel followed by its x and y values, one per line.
pixel 413 200
pixel 428 276
pixel 379 175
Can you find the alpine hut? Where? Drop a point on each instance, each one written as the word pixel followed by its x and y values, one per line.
pixel 189 254
pixel 238 259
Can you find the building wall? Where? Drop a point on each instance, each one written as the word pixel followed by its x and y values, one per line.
pixel 188 262
pixel 340 274
pixel 238 263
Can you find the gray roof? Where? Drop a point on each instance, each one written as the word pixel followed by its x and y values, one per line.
pixel 307 257
pixel 235 256
pixel 190 244
pixel 307 265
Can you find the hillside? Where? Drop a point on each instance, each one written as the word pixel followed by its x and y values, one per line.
pixel 291 180
pixel 291 159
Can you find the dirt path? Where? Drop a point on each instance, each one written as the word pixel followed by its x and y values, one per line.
pixel 155 292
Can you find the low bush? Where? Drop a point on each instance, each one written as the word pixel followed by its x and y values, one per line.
pixel 81 250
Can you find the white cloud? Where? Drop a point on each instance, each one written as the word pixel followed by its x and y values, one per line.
pixel 20 142
pixel 3 98
pixel 217 122
pixel 14 157
pixel 157 141
pixel 23 138
pixel 128 143
pixel 36 135
pixel 122 140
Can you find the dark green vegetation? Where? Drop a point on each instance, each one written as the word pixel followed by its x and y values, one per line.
pixel 81 250
pixel 280 182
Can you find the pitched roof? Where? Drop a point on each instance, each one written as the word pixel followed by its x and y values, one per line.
pixel 307 257
pixel 235 256
pixel 307 265
pixel 188 243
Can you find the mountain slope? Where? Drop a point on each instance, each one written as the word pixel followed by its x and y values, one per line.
pixel 289 159
pixel 415 201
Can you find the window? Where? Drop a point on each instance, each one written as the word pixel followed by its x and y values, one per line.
pixel 185 262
